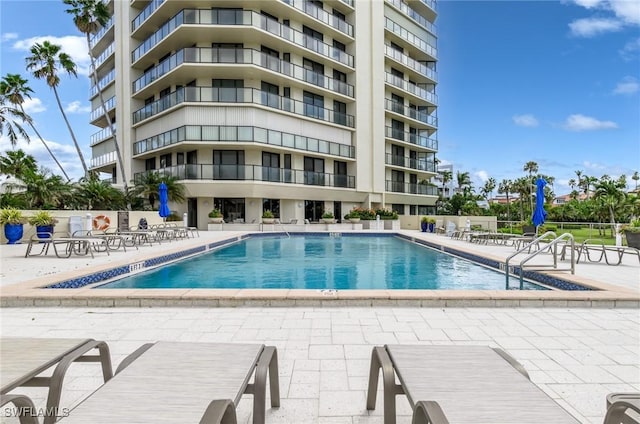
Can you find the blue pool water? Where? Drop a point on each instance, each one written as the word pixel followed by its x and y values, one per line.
pixel 321 262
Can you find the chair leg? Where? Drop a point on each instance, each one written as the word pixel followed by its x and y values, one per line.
pixel 220 411
pixel 428 412
pixel 266 363
pixel 380 359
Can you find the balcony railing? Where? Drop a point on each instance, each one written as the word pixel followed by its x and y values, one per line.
pixel 429 26
pixel 98 35
pixel 101 135
pixel 241 95
pixel 322 15
pixel 146 12
pixel 240 17
pixel 410 37
pixel 419 67
pixel 240 56
pixel 102 160
pixel 410 112
pixel 410 188
pixel 245 134
pixel 97 112
pixel 416 139
pixel 104 81
pixel 253 173
pixel 407 162
pixel 431 4
pixel 418 90
pixel 105 54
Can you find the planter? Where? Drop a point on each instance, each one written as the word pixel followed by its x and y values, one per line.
pixel 354 220
pixel 423 227
pixel 268 220
pixel 43 231
pixel 633 239
pixel 13 233
pixel 216 220
pixel 391 224
pixel 329 220
pixel 432 227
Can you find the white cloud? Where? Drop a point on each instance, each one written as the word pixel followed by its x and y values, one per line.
pixel 593 166
pixel 628 85
pixel 579 122
pixel 621 13
pixel 33 105
pixel 526 120
pixel 482 175
pixel 73 45
pixel 590 27
pixel 76 107
pixel 8 36
pixel 630 50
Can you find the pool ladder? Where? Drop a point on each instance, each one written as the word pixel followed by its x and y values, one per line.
pixel 551 247
pixel 284 229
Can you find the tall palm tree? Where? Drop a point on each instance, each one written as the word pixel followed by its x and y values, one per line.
pixel 611 194
pixel 531 168
pixel 44 62
pixel 8 117
pixel 635 177
pixel 148 184
pixel 488 188
pixel 89 16
pixel 16 89
pixel 445 176
pixel 464 180
pixel 17 163
pixel 505 186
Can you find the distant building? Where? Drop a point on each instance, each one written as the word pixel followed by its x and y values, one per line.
pixel 561 200
pixel 448 190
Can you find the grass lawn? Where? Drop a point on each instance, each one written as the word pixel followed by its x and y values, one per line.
pixel 594 236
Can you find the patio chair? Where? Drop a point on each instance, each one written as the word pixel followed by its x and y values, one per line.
pixel 623 408
pixel 174 382
pixel 23 359
pixel 474 384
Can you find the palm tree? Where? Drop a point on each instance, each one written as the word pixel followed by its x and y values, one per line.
pixel 522 186
pixel 89 16
pixel 488 188
pixel 611 194
pixel 17 163
pixel 505 187
pixel 445 176
pixel 16 89
pixel 8 124
pixel 148 184
pixel 464 181
pixel 93 194
pixel 635 177
pixel 44 62
pixel 531 168
pixel 45 190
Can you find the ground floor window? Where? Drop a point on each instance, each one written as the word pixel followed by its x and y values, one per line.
pixel 398 208
pixel 272 205
pixel 313 210
pixel 232 209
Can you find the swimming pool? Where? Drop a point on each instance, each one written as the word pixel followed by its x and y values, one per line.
pixel 345 262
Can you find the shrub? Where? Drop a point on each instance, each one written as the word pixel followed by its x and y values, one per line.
pixel 267 214
pixel 11 216
pixel 386 214
pixel 215 213
pixel 327 215
pixel 173 216
pixel 42 218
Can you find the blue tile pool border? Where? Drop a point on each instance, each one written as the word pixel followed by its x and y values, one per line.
pixel 101 276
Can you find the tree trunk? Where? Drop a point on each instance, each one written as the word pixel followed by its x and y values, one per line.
pixel 109 122
pixel 73 136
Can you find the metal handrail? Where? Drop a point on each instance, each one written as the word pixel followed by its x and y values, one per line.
pixel 528 247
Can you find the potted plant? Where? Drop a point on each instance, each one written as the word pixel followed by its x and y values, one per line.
pixel 632 233
pixel 353 215
pixel 215 216
pixel 268 217
pixel 431 223
pixel 44 223
pixel 328 218
pixel 424 223
pixel 13 222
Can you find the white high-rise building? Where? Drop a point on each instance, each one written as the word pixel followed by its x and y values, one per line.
pixel 294 106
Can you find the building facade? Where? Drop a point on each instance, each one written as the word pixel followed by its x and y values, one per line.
pixel 294 106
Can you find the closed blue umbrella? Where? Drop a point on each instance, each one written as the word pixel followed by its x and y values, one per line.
pixel 163 194
pixel 539 214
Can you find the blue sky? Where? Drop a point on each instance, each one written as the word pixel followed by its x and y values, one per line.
pixel 553 82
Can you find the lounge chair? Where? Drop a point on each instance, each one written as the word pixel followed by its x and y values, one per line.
pixel 173 382
pixel 596 252
pixel 474 384
pixel 23 359
pixel 623 408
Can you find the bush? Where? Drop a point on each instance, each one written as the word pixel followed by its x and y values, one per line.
pixel 42 218
pixel 11 216
pixel 386 214
pixel 327 215
pixel 173 216
pixel 267 214
pixel 215 213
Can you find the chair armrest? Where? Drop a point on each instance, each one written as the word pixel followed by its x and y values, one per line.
pixel 220 411
pixel 428 412
pixel 617 406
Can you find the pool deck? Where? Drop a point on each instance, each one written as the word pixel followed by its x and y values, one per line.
pixel 22 280
pixel 575 349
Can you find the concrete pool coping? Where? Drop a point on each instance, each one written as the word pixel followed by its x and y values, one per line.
pixel 25 290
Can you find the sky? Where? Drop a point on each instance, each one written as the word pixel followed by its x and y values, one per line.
pixel 554 82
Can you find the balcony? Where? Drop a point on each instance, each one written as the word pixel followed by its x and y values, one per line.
pixel 421 20
pixel 105 54
pixel 243 134
pixel 321 15
pixel 410 63
pixel 418 90
pixel 97 113
pixel 240 56
pixel 254 173
pixel 407 162
pixel 410 112
pixel 231 17
pixel 104 81
pixel 410 37
pixel 103 134
pixel 410 188
pixel 241 96
pixel 146 12
pixel 418 140
pixel 98 35
pixel 102 160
